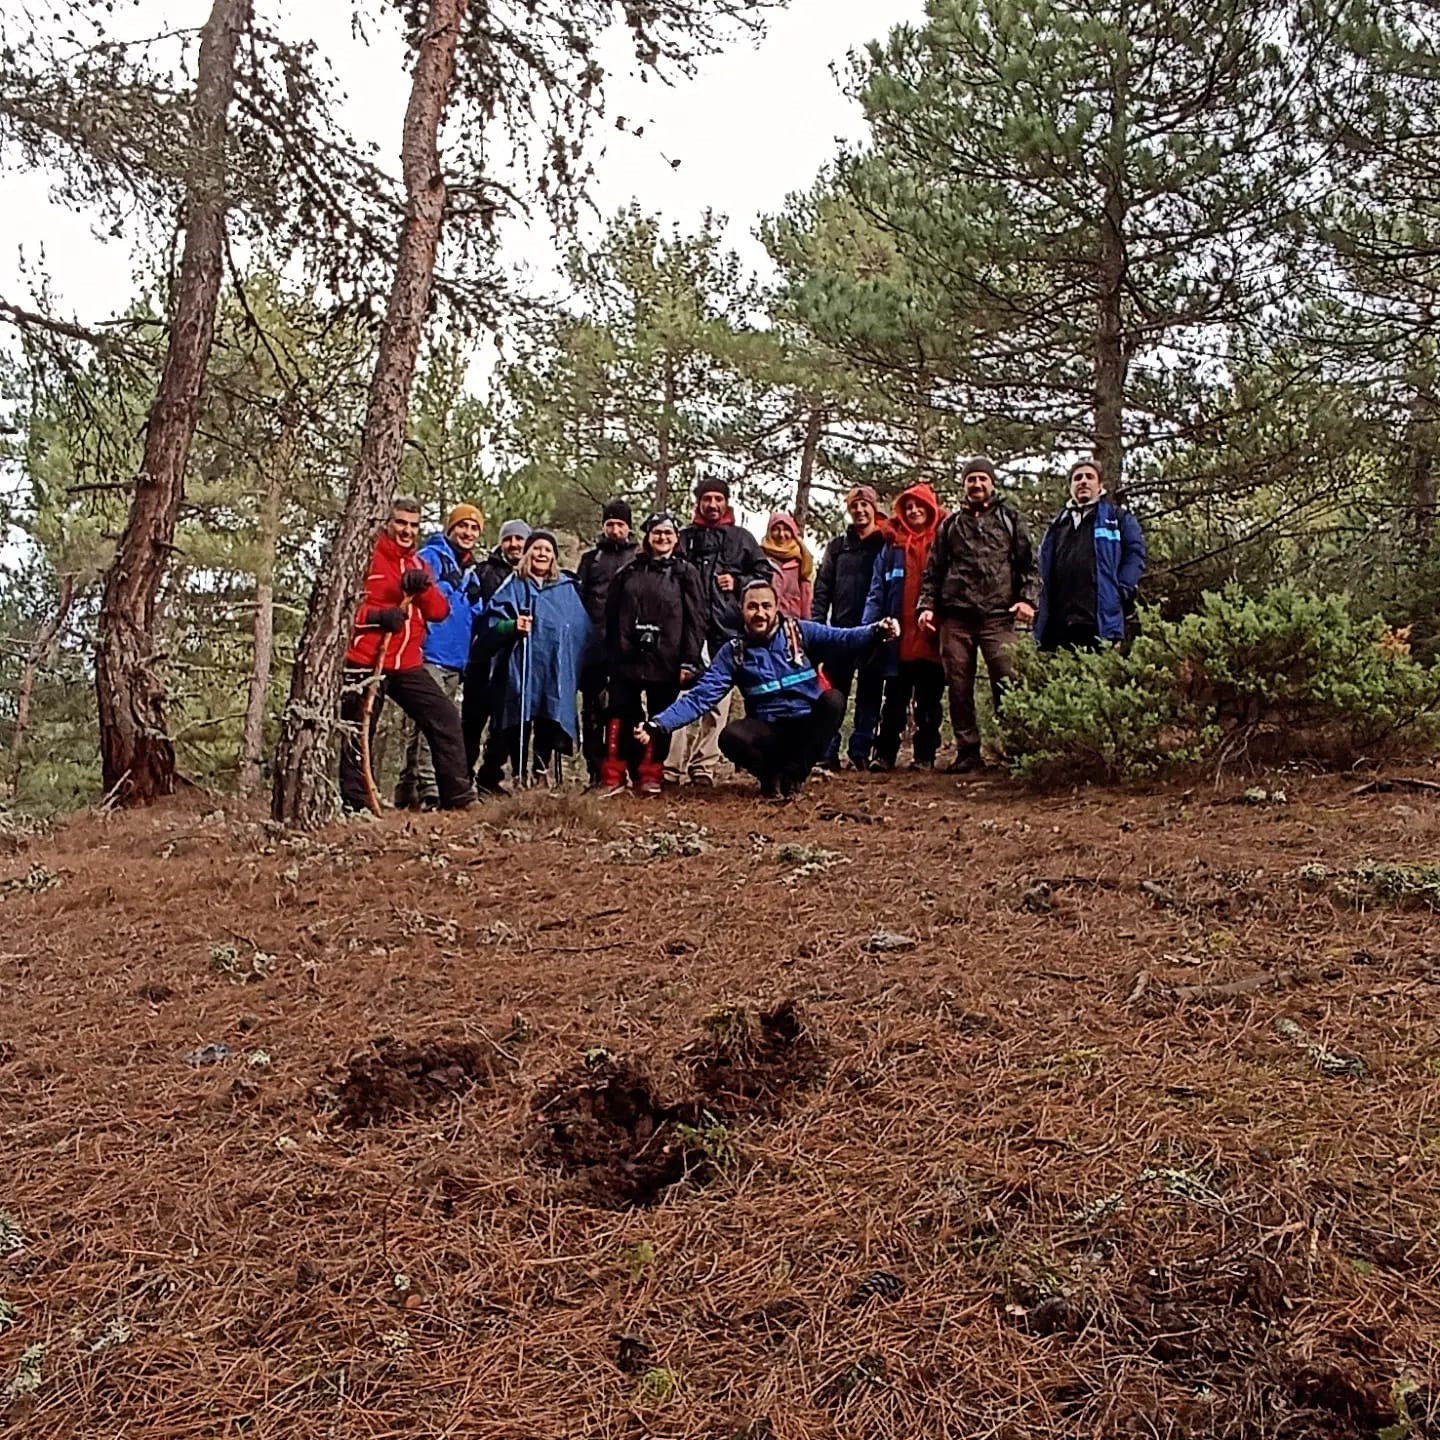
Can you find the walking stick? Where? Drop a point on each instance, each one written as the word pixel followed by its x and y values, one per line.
pixel 367 709
pixel 524 776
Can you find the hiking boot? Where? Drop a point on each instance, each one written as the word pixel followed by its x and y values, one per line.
pixel 405 797
pixel 966 762
pixel 769 788
pixel 792 787
pixel 650 786
pixel 922 764
pixel 881 766
pixel 429 804
pixel 702 781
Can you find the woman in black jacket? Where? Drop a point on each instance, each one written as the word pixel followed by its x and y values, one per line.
pixel 655 623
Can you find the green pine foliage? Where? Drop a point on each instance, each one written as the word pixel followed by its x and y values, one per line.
pixel 1282 676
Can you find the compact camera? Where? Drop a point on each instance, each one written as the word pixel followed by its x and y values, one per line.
pixel 647 639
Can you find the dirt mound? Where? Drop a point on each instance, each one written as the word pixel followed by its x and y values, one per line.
pixel 748 1066
pixel 601 1124
pixel 395 1080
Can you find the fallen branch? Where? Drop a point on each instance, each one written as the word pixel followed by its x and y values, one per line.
pixel 1396 782
pixel 1230 989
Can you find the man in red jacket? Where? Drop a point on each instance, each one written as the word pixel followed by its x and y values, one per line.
pixel 400 598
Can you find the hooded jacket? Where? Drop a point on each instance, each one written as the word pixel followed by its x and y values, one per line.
pixel 843 581
pixel 402 651
pixel 723 549
pixel 655 620
pixel 896 580
pixel 1119 565
pixel 981 564
pixel 545 665
pixel 447 643
pixel 776 676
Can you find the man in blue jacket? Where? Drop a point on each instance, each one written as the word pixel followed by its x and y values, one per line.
pixel 450 558
pixel 790 714
pixel 1091 561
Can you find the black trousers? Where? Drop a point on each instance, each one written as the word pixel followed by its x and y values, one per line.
pixel 1069 637
pixel 593 710
pixel 417 694
pixel 477 704
pixel 784 750
pixel 632 701
pixel 922 681
pixel 867 683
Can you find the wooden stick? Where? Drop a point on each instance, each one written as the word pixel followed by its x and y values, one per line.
pixel 367 709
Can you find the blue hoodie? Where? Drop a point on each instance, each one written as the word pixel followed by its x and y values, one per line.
pixel 777 678
pixel 448 643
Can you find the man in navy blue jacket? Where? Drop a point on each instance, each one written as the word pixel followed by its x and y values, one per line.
pixel 1091 561
pixel 790 714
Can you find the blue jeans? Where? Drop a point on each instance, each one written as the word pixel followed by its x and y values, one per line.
pixel 868 685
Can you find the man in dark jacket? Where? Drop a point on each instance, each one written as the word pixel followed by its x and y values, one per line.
pixel 1091 561
pixel 654 633
pixel 727 558
pixel 597 570
pixel 979 580
pixel 401 600
pixel 841 586
pixel 790 714
pixel 478 696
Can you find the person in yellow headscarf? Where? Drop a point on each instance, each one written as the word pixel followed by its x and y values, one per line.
pixel 794 568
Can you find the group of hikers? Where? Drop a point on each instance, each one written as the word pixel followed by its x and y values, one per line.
pixel 505 661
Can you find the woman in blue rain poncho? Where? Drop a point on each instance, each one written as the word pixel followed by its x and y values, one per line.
pixel 538 624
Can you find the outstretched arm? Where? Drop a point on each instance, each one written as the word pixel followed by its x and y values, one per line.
pixel 702 697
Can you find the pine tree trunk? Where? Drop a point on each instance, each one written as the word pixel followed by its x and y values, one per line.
pixel 137 757
pixel 39 654
pixel 302 793
pixel 667 419
pixel 1422 471
pixel 1110 365
pixel 808 454
pixel 252 734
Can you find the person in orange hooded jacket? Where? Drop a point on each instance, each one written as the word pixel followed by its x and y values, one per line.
pixel 914 673
pixel 400 599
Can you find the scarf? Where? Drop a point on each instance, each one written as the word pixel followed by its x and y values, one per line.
pixel 701 523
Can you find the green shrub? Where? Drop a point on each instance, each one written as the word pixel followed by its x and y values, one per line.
pixel 1288 675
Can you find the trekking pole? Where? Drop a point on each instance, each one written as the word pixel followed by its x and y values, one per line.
pixel 367 709
pixel 524 775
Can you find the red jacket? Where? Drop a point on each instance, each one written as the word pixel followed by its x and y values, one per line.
pixel 383 592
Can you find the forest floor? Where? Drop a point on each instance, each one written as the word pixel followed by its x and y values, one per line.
pixel 913 1109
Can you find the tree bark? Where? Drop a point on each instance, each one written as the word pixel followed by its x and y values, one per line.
pixel 1110 361
pixel 667 419
pixel 302 793
pixel 809 452
pixel 137 756
pixel 252 733
pixel 39 654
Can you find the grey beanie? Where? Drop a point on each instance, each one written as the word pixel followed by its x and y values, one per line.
pixel 979 464
pixel 514 527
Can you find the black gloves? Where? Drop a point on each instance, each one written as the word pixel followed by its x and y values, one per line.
pixel 473 593
pixel 416 582
pixel 392 622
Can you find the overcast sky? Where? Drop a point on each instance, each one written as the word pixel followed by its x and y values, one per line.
pixel 752 126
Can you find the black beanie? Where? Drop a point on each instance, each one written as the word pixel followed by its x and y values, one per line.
pixel 549 535
pixel 710 485
pixel 616 510
pixel 979 465
pixel 664 517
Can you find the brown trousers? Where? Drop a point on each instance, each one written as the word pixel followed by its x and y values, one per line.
pixel 961 643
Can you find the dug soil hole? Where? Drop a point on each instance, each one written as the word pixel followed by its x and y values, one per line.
pixel 395 1080
pixel 601 1125
pixel 746 1067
